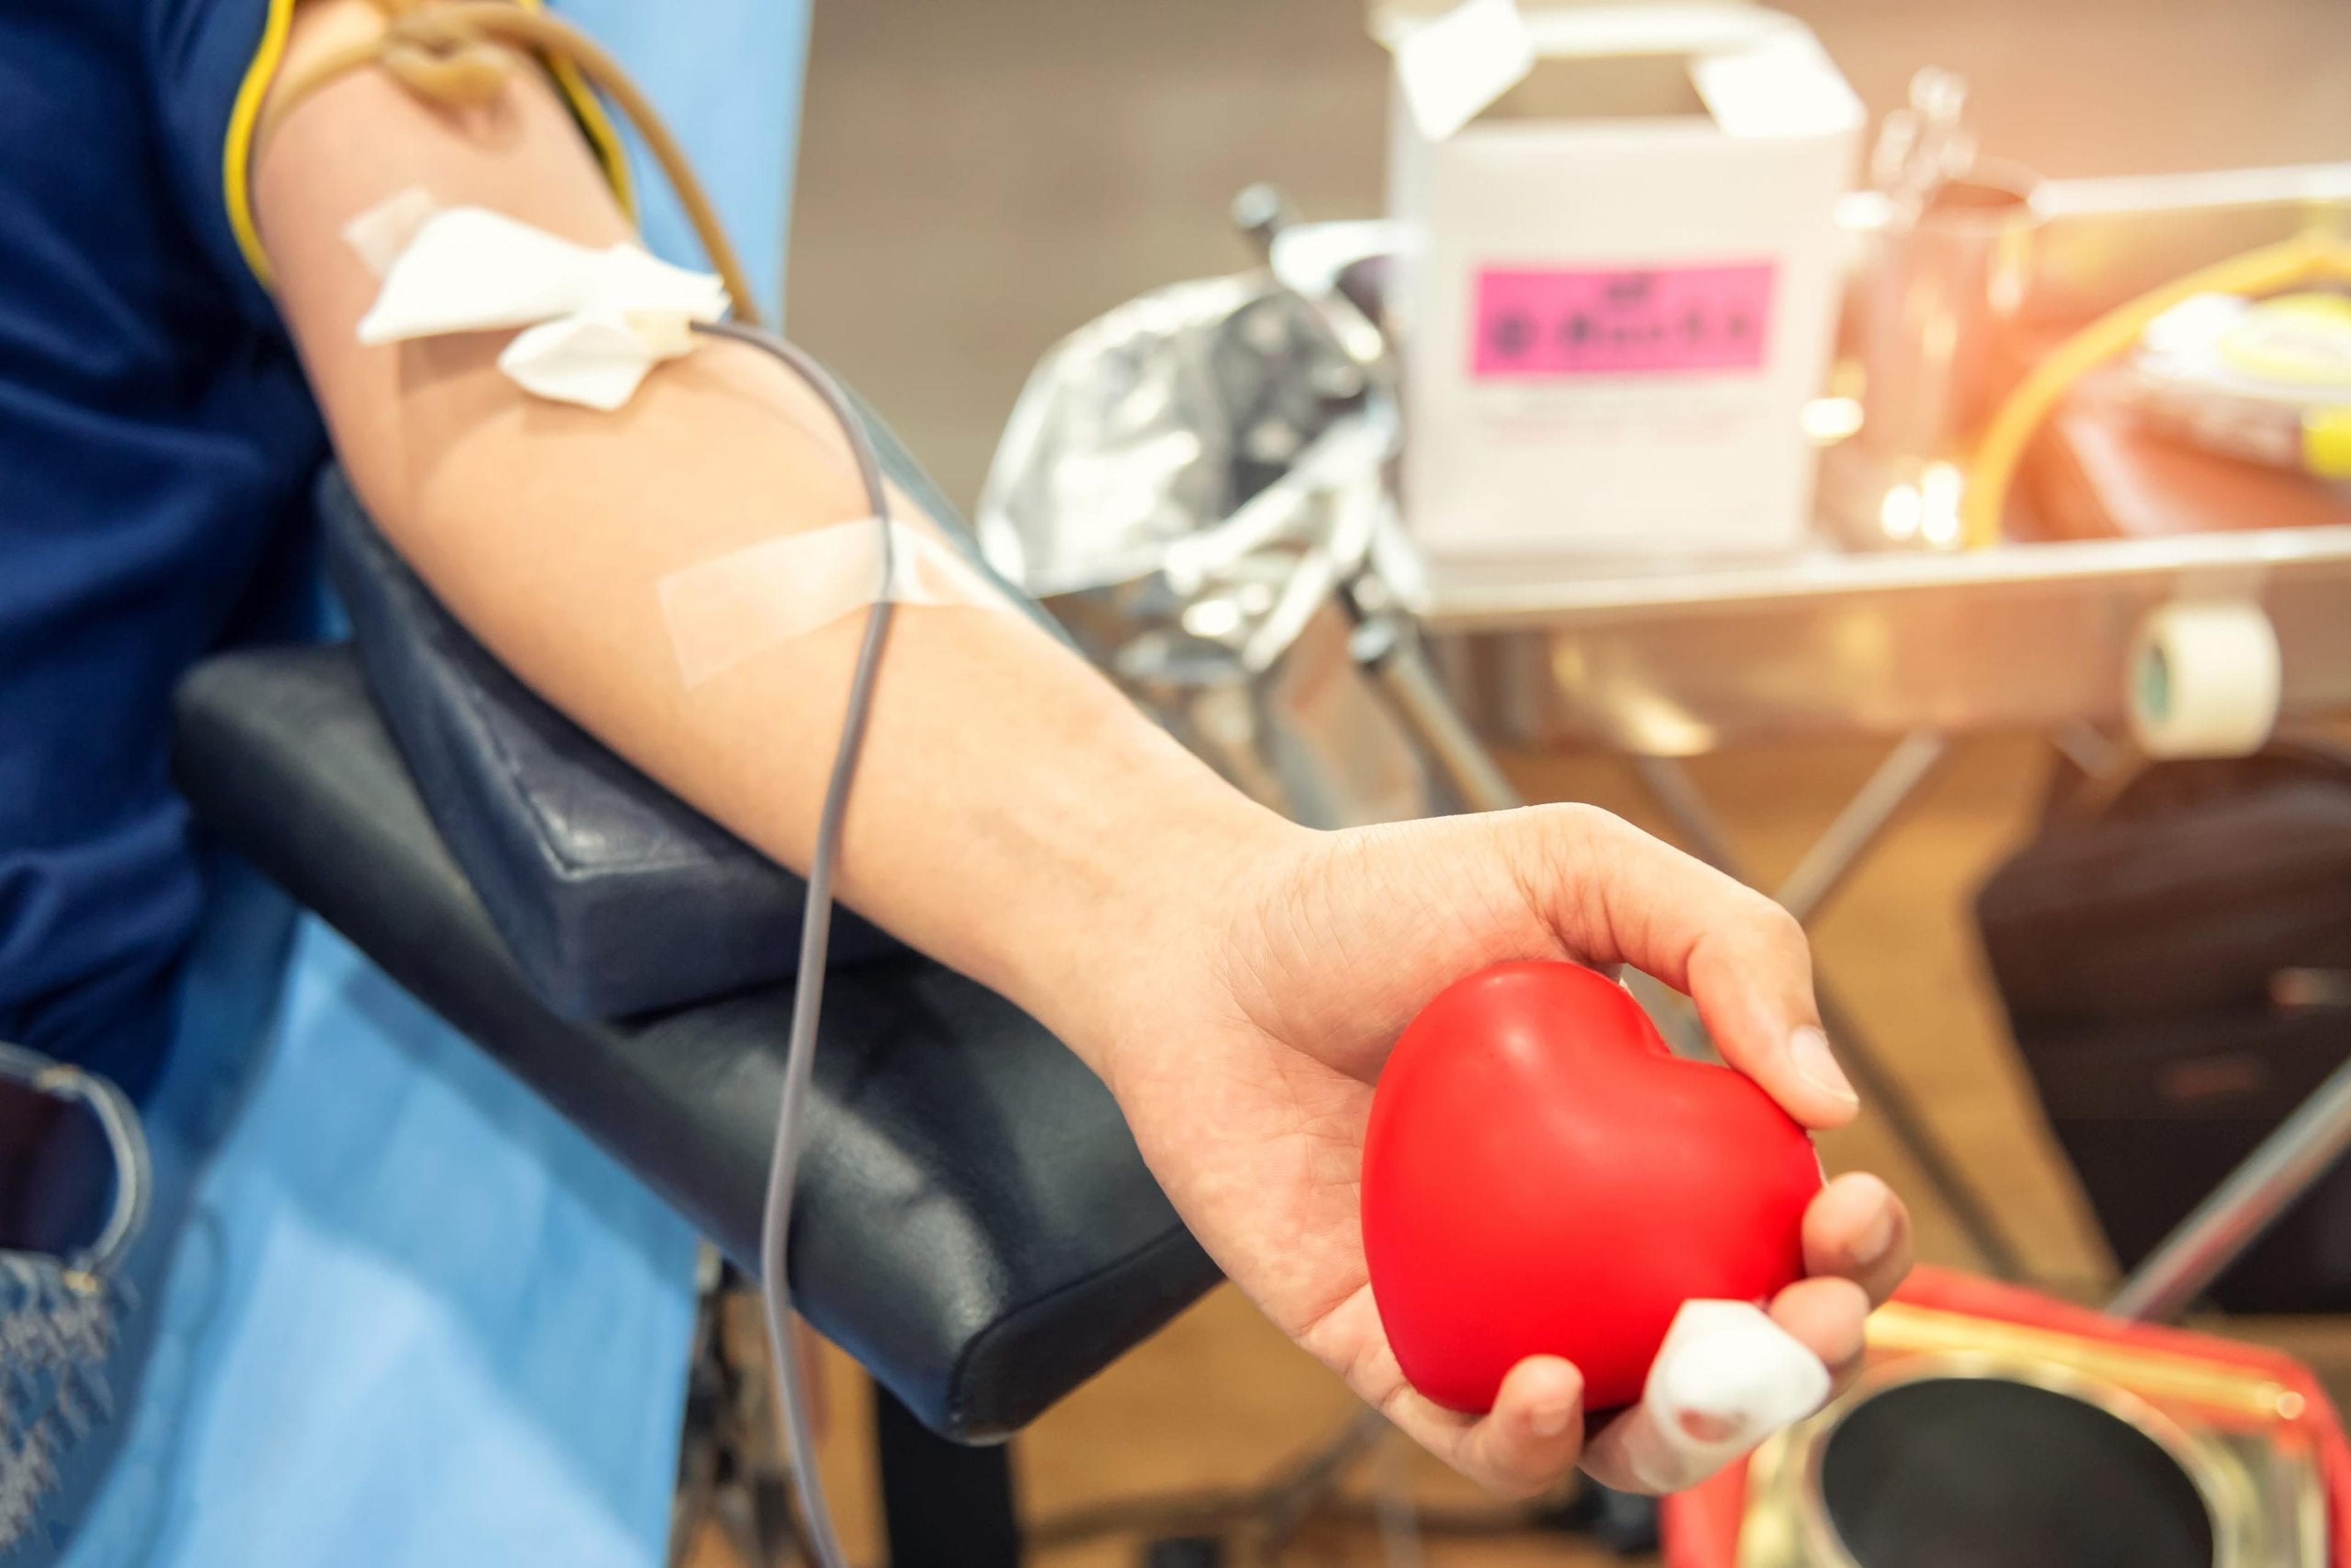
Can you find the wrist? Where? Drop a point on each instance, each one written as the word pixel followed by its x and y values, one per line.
pixel 1135 935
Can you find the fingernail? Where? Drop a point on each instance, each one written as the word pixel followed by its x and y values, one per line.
pixel 1552 1420
pixel 1877 1236
pixel 1807 1047
pixel 1708 1427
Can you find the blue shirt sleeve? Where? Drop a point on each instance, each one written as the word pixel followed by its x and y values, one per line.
pixel 209 63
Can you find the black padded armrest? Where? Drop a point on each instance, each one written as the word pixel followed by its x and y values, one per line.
pixel 973 1224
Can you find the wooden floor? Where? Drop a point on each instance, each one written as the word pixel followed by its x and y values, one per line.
pixel 976 180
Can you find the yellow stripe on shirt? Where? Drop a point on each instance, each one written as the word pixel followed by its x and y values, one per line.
pixel 236 153
pixel 244 115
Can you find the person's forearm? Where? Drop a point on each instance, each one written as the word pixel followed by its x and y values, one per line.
pixel 1014 815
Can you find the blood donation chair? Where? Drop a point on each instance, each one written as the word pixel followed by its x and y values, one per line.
pixel 973 1224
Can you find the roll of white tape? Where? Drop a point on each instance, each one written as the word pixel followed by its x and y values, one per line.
pixel 2204 680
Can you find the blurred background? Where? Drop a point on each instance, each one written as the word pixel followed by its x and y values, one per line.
pixel 978 178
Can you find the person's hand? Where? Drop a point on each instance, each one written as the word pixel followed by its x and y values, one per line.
pixel 1246 1076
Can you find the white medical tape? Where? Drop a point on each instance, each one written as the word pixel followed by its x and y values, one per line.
pixel 2205 680
pixel 724 610
pixel 1725 1378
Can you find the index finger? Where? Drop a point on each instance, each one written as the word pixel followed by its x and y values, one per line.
pixel 1615 895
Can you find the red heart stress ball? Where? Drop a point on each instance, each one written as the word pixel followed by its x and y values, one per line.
pixel 1542 1176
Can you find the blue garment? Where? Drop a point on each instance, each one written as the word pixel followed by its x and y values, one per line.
pixel 395 1312
pixel 156 444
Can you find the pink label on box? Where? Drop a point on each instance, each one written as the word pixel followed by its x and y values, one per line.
pixel 1544 322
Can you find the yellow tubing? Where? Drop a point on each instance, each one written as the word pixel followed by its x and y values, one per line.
pixel 2317 254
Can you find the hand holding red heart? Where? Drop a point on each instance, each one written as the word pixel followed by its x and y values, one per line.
pixel 1542 1176
pixel 1246 1061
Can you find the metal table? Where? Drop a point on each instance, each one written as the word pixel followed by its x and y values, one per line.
pixel 1675 663
pixel 1661 662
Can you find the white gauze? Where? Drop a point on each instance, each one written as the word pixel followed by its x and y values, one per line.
pixel 724 610
pixel 595 321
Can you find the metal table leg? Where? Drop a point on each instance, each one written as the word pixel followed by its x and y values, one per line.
pixel 733 1474
pixel 1390 650
pixel 1684 805
pixel 1847 841
pixel 2303 1148
pixel 1835 853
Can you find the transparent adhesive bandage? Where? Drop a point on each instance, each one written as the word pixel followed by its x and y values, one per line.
pixel 725 610
pixel 379 235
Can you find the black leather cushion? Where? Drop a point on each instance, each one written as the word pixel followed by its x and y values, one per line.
pixel 615 896
pixel 973 1224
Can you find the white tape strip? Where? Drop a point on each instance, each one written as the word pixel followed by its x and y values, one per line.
pixel 1725 1378
pixel 725 610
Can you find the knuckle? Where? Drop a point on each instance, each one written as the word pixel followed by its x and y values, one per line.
pixel 1574 821
pixel 1581 847
pixel 1777 929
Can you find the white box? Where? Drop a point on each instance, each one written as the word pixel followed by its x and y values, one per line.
pixel 1620 276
